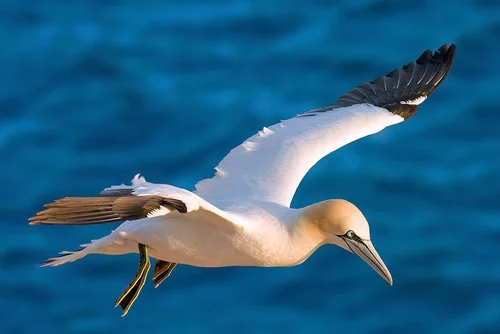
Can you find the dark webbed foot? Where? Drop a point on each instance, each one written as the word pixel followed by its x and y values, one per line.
pixel 163 269
pixel 132 291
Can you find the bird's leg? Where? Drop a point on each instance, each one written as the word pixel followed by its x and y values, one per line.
pixel 163 269
pixel 132 291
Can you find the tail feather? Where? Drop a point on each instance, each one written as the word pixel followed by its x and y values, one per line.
pixel 66 256
pixel 110 244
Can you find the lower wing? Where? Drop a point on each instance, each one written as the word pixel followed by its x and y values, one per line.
pixel 140 200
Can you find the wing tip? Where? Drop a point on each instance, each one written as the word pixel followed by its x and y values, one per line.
pixel 404 88
pixel 444 51
pixel 429 71
pixel 444 56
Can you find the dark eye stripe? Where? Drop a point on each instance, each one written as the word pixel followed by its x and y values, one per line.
pixel 353 236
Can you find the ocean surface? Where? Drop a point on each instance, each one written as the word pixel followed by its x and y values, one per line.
pixel 93 92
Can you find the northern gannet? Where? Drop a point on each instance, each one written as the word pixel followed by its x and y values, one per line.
pixel 242 215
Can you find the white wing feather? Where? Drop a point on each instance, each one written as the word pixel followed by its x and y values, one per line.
pixel 197 207
pixel 271 164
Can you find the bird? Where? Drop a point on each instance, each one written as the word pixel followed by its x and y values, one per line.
pixel 242 216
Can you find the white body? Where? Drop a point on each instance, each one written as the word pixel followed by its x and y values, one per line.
pixel 241 216
pixel 266 238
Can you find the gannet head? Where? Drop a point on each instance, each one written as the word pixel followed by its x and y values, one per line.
pixel 343 224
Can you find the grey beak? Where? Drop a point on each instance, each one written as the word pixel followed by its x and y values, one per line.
pixel 365 250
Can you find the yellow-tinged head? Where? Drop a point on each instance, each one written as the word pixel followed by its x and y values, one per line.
pixel 343 224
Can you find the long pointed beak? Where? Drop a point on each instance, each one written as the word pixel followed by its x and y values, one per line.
pixel 365 250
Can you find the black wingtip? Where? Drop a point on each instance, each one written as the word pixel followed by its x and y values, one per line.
pixel 403 89
pixel 444 56
pixel 425 75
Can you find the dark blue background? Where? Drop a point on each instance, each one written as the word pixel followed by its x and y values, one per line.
pixel 92 92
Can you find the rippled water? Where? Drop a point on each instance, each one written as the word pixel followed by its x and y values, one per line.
pixel 92 92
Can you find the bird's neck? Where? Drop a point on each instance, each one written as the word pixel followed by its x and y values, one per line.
pixel 304 237
pixel 285 237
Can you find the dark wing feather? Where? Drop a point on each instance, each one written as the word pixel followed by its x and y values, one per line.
pixel 397 89
pixel 103 209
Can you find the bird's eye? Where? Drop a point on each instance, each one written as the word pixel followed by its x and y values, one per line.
pixel 350 234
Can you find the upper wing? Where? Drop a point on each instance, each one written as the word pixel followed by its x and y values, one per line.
pixel 140 200
pixel 271 164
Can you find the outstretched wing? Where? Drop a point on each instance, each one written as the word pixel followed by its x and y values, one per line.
pixel 271 164
pixel 140 200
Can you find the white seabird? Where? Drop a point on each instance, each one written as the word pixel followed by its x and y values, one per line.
pixel 242 216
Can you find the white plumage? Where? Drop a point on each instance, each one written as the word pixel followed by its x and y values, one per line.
pixel 278 161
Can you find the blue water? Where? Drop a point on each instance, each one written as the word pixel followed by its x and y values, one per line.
pixel 92 92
